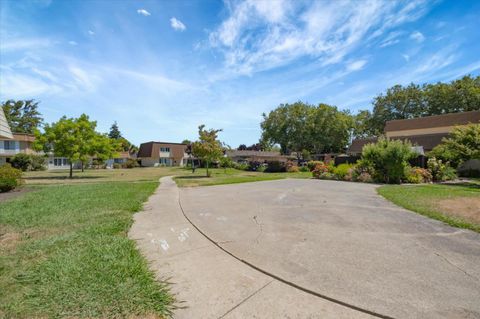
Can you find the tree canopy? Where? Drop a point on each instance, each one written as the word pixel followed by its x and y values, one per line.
pixel 207 148
pixel 462 145
pixel 74 139
pixel 22 115
pixel 301 127
pixel 114 131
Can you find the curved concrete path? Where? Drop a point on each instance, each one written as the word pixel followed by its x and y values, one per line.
pixel 340 241
pixel 208 282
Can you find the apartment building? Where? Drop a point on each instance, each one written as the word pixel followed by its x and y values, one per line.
pixel 162 154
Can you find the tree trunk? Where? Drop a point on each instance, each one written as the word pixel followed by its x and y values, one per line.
pixel 71 170
pixel 208 175
pixel 83 170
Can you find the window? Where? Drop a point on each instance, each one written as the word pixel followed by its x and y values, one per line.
pixel 60 161
pixel 165 161
pixel 165 149
pixel 9 145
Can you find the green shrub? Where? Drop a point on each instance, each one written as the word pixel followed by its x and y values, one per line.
pixel 364 177
pixel 21 161
pixel 38 162
pixel 342 170
pixel 9 178
pixel 130 163
pixel 241 166
pixel 303 169
pixel 116 166
pixel 388 158
pixel 320 170
pixel 417 175
pixel 275 167
pixel 440 170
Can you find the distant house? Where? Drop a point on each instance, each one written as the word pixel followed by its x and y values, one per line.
pixel 162 154
pixel 243 156
pixel 120 158
pixel 423 132
pixel 17 143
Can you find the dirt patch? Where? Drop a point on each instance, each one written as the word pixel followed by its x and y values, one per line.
pixel 467 208
pixel 14 193
pixel 9 240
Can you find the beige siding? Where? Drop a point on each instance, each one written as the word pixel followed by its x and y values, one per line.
pixel 422 131
pixel 4 128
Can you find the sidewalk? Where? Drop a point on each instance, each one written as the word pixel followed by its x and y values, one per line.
pixel 209 283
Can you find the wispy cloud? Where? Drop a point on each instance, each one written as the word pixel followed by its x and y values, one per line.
pixel 417 36
pixel 143 12
pixel 91 32
pixel 19 44
pixel 356 65
pixel 391 39
pixel 255 37
pixel 177 24
pixel 72 43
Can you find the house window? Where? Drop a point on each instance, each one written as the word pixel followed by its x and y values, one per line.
pixel 60 161
pixel 165 149
pixel 164 161
pixel 9 145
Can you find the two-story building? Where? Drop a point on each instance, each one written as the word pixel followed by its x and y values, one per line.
pixel 162 154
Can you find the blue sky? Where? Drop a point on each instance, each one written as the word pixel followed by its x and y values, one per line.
pixel 161 68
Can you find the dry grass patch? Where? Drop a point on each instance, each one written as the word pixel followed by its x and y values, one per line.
pixel 467 208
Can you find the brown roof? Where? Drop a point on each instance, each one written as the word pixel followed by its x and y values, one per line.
pixel 443 120
pixel 24 137
pixel 152 149
pixel 236 153
pixel 358 144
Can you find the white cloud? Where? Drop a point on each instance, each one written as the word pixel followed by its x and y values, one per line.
pixel 391 39
pixel 356 65
pixel 177 24
pixel 24 44
pixel 256 37
pixel 84 80
pixel 16 85
pixel 417 36
pixel 143 12
pixel 72 43
pixel 406 57
pixel 91 32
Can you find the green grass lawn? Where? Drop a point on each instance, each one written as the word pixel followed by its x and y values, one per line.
pixel 64 252
pixel 229 176
pixel 427 200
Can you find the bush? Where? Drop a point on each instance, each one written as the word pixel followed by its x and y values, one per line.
pixel 130 163
pixel 388 158
pixel 38 163
pixel 303 169
pixel 291 167
pixel 116 166
pixel 311 165
pixel 364 177
pixel 21 161
pixel 342 170
pixel 417 175
pixel 241 166
pixel 320 170
pixel 10 178
pixel 254 166
pixel 275 167
pixel 441 171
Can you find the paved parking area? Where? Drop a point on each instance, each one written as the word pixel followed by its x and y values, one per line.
pixel 343 241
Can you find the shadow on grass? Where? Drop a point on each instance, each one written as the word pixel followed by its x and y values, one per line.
pixel 62 177
pixel 463 184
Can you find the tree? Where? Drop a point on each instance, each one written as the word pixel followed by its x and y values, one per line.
pixel 462 145
pixel 361 126
pixel 300 126
pixel 22 115
pixel 74 139
pixel 114 132
pixel 186 142
pixel 208 148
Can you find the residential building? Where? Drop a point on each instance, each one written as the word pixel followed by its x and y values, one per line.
pixel 241 156
pixel 162 154
pixel 424 132
pixel 18 143
pixel 121 158
pixel 5 132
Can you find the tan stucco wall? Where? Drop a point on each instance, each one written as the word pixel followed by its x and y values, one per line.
pixel 423 131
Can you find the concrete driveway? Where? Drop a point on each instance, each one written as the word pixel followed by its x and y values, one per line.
pixel 344 242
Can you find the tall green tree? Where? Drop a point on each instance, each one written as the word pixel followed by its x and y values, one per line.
pixel 74 139
pixel 114 131
pixel 22 116
pixel 207 148
pixel 305 128
pixel 461 145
